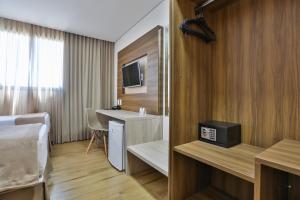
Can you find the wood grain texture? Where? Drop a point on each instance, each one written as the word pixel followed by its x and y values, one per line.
pixel 255 74
pixel 238 160
pixel 232 185
pixel 250 75
pixel 142 131
pixel 29 193
pixel 277 168
pixel 183 185
pixel 211 193
pixel 91 177
pixel 215 5
pixel 150 45
pixel 294 191
pixel 276 185
pixel 187 103
pixel 155 154
pixel 285 156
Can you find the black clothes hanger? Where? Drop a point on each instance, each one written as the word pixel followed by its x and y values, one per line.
pixel 204 32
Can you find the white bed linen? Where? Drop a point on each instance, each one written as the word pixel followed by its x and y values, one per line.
pixel 42 149
pixel 10 120
pixel 19 166
pixel 47 122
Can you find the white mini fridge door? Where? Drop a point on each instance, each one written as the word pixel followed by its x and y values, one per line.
pixel 116 145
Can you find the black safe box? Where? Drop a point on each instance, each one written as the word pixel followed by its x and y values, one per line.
pixel 223 134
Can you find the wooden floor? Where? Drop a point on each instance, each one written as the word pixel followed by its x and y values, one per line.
pixel 91 177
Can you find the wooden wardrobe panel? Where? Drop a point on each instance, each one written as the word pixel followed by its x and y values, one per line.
pixel 149 45
pixel 188 94
pixel 255 74
pixel 232 185
pixel 273 184
pixel 250 75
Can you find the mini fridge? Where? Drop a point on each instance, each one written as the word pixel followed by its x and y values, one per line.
pixel 116 145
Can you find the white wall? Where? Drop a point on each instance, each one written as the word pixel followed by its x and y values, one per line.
pixel 158 16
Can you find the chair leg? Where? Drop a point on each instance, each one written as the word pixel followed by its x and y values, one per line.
pixel 104 141
pixel 92 139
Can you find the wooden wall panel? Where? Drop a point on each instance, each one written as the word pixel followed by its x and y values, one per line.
pixel 251 75
pixel 188 103
pixel 255 74
pixel 149 45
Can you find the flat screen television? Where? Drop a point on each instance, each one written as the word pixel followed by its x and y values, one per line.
pixel 131 75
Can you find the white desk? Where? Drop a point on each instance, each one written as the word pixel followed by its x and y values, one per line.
pixel 137 129
pixel 155 154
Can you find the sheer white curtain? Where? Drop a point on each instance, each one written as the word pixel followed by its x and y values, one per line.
pixel 31 69
pixel 14 63
pixel 45 70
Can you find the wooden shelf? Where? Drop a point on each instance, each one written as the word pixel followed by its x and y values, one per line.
pixel 210 193
pixel 285 156
pixel 155 154
pixel 278 172
pixel 238 160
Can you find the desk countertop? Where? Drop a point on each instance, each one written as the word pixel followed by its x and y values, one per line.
pixel 125 115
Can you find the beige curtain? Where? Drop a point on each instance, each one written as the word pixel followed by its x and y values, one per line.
pixel 87 77
pixel 21 62
pixel 88 82
pixel 11 43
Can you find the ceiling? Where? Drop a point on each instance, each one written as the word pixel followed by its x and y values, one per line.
pixel 102 19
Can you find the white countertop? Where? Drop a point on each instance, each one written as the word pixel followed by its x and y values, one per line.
pixel 126 115
pixel 155 154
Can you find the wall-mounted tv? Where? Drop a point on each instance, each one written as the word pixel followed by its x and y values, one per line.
pixel 131 75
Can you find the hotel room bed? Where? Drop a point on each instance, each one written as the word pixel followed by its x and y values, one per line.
pixel 24 162
pixel 31 118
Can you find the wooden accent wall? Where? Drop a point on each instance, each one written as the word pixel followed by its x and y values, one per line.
pixel 189 104
pixel 150 45
pixel 255 74
pixel 250 75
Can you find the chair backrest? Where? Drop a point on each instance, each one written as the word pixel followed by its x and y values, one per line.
pixel 92 119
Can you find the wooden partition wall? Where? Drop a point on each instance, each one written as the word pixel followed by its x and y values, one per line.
pixel 150 46
pixel 189 103
pixel 250 75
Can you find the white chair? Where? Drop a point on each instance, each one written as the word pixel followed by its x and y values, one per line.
pixel 97 128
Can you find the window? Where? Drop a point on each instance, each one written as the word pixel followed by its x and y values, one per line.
pixel 30 61
pixel 48 63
